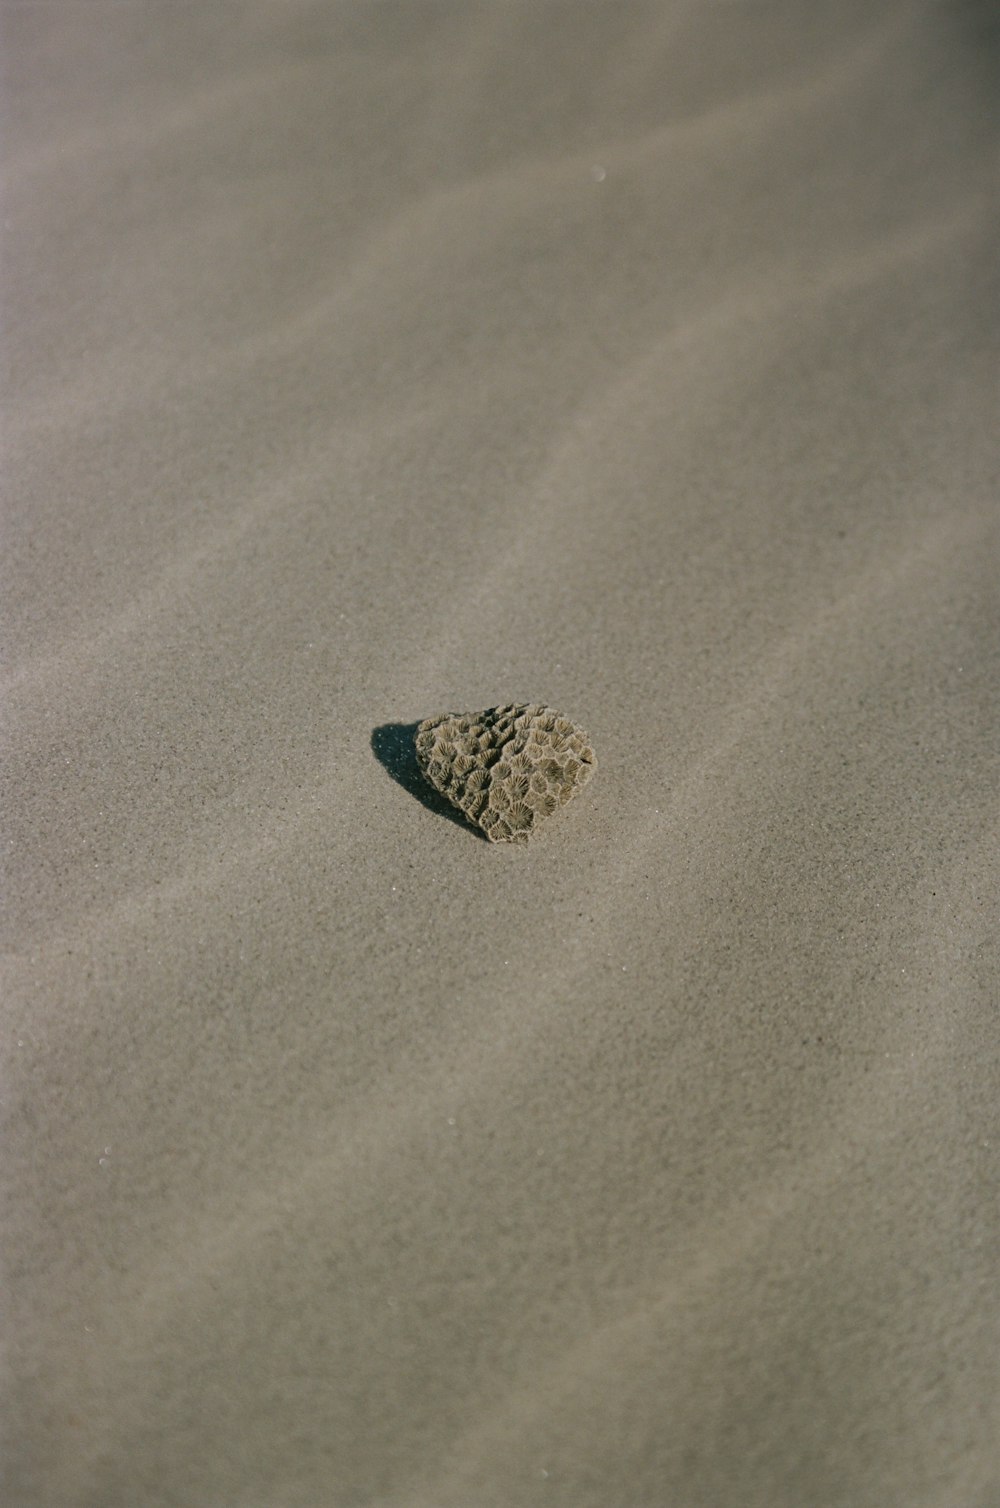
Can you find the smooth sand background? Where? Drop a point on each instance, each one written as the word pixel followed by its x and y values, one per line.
pixel 370 360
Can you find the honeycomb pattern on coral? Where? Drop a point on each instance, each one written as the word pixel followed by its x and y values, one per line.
pixel 507 768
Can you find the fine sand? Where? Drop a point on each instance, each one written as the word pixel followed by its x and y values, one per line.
pixel 374 359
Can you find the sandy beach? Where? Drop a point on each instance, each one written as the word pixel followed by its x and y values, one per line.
pixel 376 359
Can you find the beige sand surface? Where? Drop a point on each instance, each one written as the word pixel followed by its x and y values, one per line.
pixel 368 360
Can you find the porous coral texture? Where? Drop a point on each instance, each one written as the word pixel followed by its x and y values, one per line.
pixel 507 768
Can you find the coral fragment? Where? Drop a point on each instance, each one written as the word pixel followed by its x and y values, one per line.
pixel 515 765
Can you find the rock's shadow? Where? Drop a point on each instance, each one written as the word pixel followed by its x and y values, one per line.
pixel 393 747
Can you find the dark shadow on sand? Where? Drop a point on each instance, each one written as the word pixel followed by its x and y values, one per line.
pixel 393 747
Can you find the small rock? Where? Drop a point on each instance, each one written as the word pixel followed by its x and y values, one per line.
pixel 507 768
